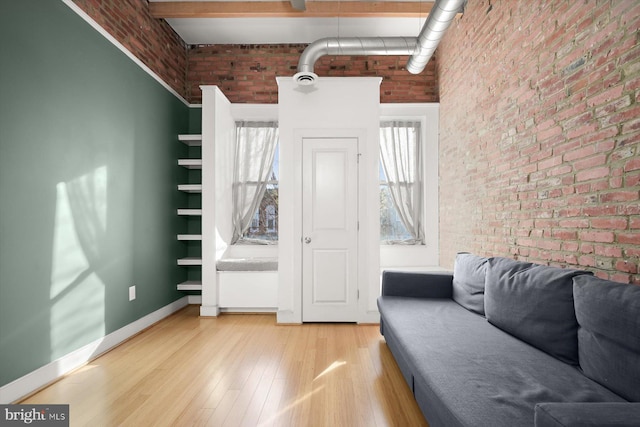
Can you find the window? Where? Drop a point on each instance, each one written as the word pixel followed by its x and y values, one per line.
pixel 255 222
pixel 255 183
pixel 391 227
pixel 264 225
pixel 401 183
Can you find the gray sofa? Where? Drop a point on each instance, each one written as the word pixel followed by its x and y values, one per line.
pixel 500 342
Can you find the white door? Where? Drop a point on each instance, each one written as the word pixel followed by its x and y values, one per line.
pixel 330 230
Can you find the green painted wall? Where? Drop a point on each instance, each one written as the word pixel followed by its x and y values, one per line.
pixel 195 120
pixel 88 149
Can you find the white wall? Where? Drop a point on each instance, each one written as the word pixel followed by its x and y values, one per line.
pixel 217 137
pixel 343 106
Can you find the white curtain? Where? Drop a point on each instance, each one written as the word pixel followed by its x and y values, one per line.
pixel 401 157
pixel 255 150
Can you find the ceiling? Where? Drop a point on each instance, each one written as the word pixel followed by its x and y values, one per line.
pixel 278 22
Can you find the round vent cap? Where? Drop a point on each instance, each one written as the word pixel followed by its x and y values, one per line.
pixel 305 78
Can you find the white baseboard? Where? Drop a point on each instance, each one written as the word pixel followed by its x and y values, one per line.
pixel 209 311
pixel 50 372
pixel 369 318
pixel 194 299
pixel 248 310
pixel 288 317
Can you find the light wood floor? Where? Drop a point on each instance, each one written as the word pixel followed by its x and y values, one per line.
pixel 240 370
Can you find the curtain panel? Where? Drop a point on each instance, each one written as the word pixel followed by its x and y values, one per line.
pixel 401 158
pixel 254 154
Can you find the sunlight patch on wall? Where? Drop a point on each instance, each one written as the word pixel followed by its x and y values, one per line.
pixel 77 291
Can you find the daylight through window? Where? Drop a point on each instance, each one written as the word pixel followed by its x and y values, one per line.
pixel 401 183
pixel 264 225
pixel 255 183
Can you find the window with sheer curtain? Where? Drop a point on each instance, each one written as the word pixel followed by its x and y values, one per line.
pixel 401 187
pixel 255 183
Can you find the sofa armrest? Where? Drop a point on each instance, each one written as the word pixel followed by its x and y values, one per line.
pixel 429 284
pixel 587 414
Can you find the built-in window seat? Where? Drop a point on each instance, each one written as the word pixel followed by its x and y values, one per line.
pixel 247 264
pixel 248 284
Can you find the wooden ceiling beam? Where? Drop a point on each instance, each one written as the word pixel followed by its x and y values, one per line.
pixel 284 9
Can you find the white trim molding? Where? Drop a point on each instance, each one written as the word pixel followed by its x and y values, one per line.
pixel 50 372
pixel 124 50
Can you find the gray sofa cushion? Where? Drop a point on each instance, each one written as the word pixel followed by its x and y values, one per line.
pixel 467 372
pixel 587 414
pixel 468 281
pixel 609 335
pixel 534 303
pixel 417 284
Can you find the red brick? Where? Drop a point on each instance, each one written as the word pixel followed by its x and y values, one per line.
pixel 619 277
pixel 587 261
pixel 592 174
pixel 579 153
pixel 633 252
pixel 606 96
pixel 590 162
pixel 609 223
pixel 548 133
pixel 565 235
pixel 629 238
pixel 608 251
pixel 627 266
pixel 574 223
pixel 633 164
pixel 619 196
pixel 597 236
pixel 632 180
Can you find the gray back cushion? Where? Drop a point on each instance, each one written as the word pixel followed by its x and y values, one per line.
pixel 609 336
pixel 534 303
pixel 468 281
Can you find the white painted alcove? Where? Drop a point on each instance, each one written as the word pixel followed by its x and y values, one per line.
pixel 336 104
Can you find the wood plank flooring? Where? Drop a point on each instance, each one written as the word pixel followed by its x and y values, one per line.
pixel 240 370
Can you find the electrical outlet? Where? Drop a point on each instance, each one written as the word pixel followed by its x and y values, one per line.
pixel 132 292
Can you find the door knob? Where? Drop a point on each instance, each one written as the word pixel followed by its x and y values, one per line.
pixel 307 240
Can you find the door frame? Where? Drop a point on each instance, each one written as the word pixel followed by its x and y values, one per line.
pixel 368 216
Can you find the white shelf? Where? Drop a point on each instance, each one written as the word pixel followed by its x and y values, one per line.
pixel 190 163
pixel 190 261
pixel 190 188
pixel 191 140
pixel 190 285
pixel 190 212
pixel 189 236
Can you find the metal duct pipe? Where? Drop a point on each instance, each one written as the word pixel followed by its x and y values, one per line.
pixel 350 46
pixel 421 48
pixel 439 19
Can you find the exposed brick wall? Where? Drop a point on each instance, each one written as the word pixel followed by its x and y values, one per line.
pixel 540 134
pixel 244 73
pixel 247 73
pixel 151 40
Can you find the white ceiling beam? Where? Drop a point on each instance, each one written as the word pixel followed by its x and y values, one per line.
pixel 280 9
